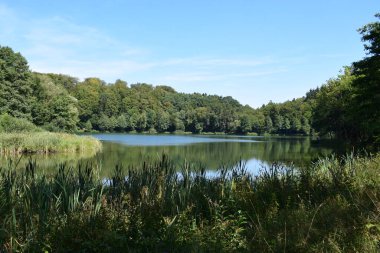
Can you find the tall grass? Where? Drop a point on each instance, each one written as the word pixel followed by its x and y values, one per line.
pixel 46 142
pixel 333 206
pixel 18 136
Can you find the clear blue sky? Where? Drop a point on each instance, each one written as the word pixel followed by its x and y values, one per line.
pixel 252 50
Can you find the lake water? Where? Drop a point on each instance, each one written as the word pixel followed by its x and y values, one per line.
pixel 211 151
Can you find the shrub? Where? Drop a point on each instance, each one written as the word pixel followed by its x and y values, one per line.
pixel 9 124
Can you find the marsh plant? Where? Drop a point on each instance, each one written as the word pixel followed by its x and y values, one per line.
pixel 19 136
pixel 332 206
pixel 47 142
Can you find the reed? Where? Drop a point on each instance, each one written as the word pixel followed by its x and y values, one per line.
pixel 47 142
pixel 19 136
pixel 164 207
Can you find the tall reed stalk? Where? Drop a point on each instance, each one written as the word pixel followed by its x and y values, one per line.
pixel 163 207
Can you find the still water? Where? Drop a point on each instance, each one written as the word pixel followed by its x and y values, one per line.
pixel 210 151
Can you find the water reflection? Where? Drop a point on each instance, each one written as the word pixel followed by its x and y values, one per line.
pixel 214 154
pixel 209 151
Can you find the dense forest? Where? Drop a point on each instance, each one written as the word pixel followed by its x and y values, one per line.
pixel 345 106
pixel 62 103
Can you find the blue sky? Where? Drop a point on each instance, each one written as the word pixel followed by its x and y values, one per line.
pixel 254 51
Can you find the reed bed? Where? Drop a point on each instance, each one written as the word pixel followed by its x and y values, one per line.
pixel 46 142
pixel 333 206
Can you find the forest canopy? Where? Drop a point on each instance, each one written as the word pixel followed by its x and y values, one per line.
pixel 63 103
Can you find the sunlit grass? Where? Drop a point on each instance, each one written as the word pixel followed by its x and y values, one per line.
pixel 19 136
pixel 47 142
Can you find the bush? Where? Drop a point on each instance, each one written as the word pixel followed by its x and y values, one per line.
pixel 9 124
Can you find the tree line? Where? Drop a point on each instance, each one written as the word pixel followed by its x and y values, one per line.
pixel 345 106
pixel 63 103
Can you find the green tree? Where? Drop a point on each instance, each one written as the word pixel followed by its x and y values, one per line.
pixel 198 128
pixel 141 122
pixel 16 88
pixel 106 123
pixel 150 118
pixel 54 108
pixel 245 124
pixel 333 109
pixel 122 123
pixel 367 84
pixel 296 124
pixel 278 122
pixel 109 101
pixel 64 114
pixel 65 81
pixel 179 125
pixel 287 125
pixel 163 121
pixel 268 124
pixel 306 128
pixel 121 88
pixel 87 125
pixel 88 95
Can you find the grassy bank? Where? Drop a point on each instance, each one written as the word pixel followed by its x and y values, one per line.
pixel 19 136
pixel 46 142
pixel 333 206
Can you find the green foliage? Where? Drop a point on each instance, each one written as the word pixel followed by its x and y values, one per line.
pixel 332 206
pixel 54 108
pixel 348 106
pixel 15 84
pixel 35 97
pixel 367 84
pixel 61 103
pixel 88 95
pixel 142 107
pixel 64 81
pixel 333 108
pixel 290 117
pixel 104 123
pixel 121 123
pixel 9 124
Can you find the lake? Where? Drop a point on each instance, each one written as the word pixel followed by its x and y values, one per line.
pixel 211 151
